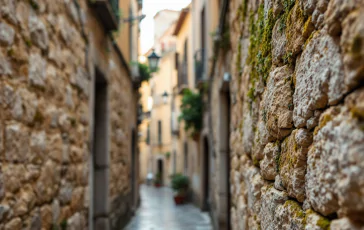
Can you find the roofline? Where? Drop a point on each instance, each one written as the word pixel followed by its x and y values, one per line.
pixel 181 19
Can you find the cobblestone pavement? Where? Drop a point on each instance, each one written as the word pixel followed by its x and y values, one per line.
pixel 157 211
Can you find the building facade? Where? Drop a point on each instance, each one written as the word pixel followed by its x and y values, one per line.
pixel 160 86
pixel 68 116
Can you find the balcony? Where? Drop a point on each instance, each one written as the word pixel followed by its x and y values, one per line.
pixel 182 76
pixel 108 12
pixel 199 68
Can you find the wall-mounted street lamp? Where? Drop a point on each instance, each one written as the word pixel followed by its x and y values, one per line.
pixel 153 60
pixel 165 97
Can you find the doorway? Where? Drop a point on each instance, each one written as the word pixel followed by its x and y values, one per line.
pixel 206 175
pixel 224 154
pixel 160 169
pixel 100 154
pixel 133 169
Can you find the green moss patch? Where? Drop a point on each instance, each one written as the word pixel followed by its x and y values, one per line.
pixel 260 48
pixel 296 210
pixel 323 121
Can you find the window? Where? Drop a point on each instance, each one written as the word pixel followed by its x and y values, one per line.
pixel 160 132
pixel 176 60
pixel 148 135
pixel 185 54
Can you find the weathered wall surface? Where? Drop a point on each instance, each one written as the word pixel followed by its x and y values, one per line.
pixel 297 137
pixel 45 114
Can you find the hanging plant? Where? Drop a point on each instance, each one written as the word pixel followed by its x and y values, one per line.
pixel 191 111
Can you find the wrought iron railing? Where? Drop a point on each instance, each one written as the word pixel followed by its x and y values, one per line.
pixel 182 74
pixel 199 66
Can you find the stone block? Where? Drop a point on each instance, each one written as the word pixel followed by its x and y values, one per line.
pixel 38 143
pixel 337 11
pixel 37 70
pixel 38 32
pixel 56 211
pixel 279 41
pixel 25 107
pixel 15 176
pixel 292 162
pixel 335 173
pixel 7 10
pixel 48 182
pixel 46 215
pixel 77 221
pixel 352 41
pixel 55 147
pixel 271 199
pixel 319 78
pixel 345 224
pixel 16 143
pixel 4 211
pixel 277 103
pixel 65 192
pixel 5 65
pixel 269 164
pixel 81 80
pixel 77 199
pixel 14 224
pixel 6 34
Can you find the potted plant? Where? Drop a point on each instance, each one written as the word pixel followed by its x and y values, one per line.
pixel 180 186
pixel 168 155
pixel 158 180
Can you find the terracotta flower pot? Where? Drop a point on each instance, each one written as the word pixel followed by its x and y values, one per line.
pixel 157 185
pixel 179 199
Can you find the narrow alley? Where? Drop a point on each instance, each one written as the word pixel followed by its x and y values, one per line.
pixel 158 211
pixel 181 114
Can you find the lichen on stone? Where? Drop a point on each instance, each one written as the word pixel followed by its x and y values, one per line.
pixel 260 48
pixel 323 121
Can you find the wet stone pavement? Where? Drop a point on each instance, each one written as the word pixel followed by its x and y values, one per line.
pixel 157 211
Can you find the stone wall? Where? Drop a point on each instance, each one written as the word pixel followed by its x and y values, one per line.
pixel 297 137
pixel 48 51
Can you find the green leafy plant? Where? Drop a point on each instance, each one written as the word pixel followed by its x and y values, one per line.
pixel 180 183
pixel 191 111
pixel 158 178
pixel 168 154
pixel 144 71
